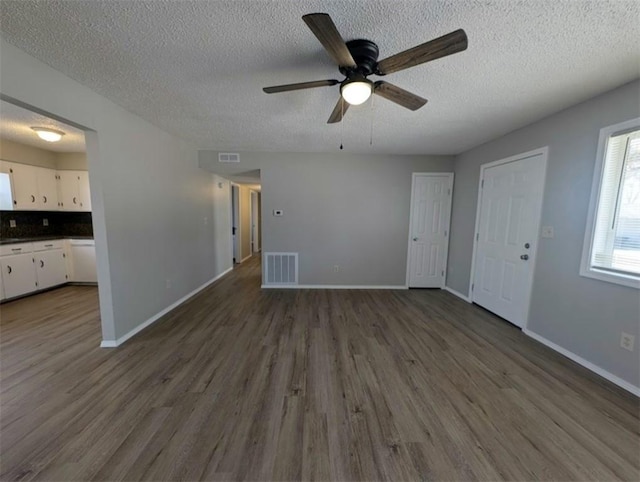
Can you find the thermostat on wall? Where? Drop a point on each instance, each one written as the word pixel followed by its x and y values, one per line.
pixel 278 212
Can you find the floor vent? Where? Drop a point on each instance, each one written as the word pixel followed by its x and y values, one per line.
pixel 228 157
pixel 280 269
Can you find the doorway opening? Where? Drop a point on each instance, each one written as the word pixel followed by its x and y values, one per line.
pixel 46 211
pixel 246 215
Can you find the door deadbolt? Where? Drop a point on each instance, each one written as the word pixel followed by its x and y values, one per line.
pixel 526 245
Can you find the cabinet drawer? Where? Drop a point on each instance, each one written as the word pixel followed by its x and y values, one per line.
pixel 46 245
pixel 18 248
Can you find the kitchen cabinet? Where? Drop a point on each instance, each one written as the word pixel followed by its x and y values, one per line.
pixel 18 274
pixel 73 191
pixel 24 183
pixel 47 181
pixel 50 268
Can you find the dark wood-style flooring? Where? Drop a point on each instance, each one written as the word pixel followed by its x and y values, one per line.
pixel 247 384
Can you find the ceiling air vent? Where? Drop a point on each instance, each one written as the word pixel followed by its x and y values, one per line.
pixel 228 157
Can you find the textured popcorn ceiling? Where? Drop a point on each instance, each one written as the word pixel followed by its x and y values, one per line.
pixel 196 68
pixel 16 122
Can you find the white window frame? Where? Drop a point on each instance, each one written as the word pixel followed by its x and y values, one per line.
pixel 585 265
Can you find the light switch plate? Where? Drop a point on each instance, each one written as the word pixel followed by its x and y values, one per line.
pixel 12 223
pixel 547 231
pixel 45 222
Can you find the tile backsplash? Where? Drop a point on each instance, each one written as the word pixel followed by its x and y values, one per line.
pixel 30 223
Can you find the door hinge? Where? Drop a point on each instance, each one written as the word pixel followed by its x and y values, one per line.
pixel 445 233
pixel 472 285
pixel 449 192
pixel 482 183
pixel 443 273
pixel 477 236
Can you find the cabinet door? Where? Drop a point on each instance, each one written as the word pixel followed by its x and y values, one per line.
pixel 50 268
pixel 18 274
pixel 47 189
pixel 24 181
pixel 84 192
pixel 68 190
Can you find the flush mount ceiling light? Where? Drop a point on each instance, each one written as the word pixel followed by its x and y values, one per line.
pixel 47 134
pixel 356 91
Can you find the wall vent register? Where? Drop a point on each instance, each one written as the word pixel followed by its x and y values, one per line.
pixel 280 269
pixel 228 157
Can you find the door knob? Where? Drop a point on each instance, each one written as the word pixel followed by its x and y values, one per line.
pixel 524 256
pixel 415 239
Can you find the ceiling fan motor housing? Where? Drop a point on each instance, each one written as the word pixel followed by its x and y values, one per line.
pixel 365 53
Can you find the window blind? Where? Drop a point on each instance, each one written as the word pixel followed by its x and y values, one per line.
pixel 616 241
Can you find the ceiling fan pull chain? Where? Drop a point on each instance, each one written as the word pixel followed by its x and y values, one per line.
pixel 341 121
pixel 371 133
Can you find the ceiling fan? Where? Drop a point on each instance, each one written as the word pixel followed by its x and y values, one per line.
pixel 358 59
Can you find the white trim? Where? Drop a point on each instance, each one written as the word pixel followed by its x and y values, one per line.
pixel 414 175
pixel 337 287
pixel 244 259
pixel 587 364
pixel 585 261
pixel 139 328
pixel 458 294
pixel 544 151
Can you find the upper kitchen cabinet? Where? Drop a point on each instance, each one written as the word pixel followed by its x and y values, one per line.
pixel 47 189
pixel 73 191
pixel 24 183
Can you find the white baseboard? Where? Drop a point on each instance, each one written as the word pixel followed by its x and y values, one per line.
pixel 244 259
pixel 337 287
pixel 458 294
pixel 139 328
pixel 587 364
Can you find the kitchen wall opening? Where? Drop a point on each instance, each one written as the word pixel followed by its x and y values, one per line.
pixel 46 228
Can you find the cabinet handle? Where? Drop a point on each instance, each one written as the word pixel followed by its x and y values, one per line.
pixel 74 201
pixel 48 245
pixel 9 270
pixel 16 249
pixel 44 198
pixel 33 198
pixel 41 263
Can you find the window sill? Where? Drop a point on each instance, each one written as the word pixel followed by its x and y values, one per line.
pixel 615 278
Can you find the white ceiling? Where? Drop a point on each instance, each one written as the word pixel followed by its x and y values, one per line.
pixel 16 123
pixel 196 68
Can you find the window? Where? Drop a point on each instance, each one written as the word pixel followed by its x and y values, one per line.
pixel 612 241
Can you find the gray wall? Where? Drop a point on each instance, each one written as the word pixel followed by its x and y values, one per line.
pixel 582 315
pixel 156 216
pixel 339 209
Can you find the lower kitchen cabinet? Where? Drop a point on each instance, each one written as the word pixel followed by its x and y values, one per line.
pixel 18 274
pixel 50 268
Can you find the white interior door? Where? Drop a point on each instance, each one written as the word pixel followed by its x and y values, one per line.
pixel 235 222
pixel 429 232
pixel 509 217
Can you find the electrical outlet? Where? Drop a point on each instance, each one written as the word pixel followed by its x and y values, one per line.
pixel 336 268
pixel 45 222
pixel 206 220
pixel 12 223
pixel 547 231
pixel 168 283
pixel 627 341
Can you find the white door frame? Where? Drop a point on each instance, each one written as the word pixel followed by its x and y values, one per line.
pixel 235 208
pixel 544 151
pixel 414 175
pixel 253 216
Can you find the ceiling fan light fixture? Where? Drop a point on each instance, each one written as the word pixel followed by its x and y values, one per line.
pixel 47 134
pixel 356 92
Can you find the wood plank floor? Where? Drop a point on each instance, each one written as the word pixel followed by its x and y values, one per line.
pixel 247 384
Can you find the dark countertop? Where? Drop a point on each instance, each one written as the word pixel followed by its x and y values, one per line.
pixel 39 238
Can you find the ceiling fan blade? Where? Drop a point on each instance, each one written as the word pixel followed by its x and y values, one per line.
pixel 325 30
pixel 441 47
pixel 302 85
pixel 399 96
pixel 338 111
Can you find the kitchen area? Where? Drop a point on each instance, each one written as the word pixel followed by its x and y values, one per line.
pixel 46 232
